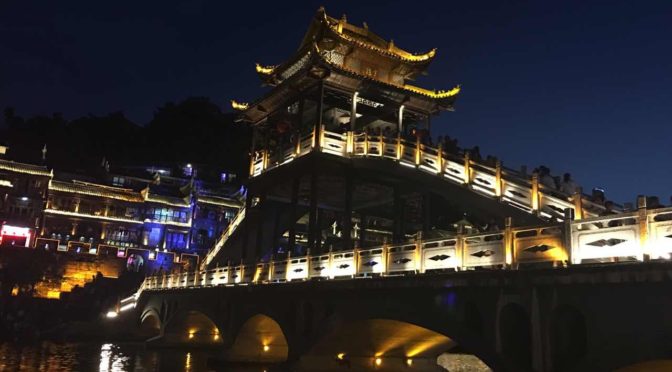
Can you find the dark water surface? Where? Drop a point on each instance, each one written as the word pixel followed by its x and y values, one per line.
pixel 85 357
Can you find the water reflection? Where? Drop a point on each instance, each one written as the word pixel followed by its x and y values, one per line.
pixel 50 357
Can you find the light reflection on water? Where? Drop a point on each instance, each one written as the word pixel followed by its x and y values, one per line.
pixel 49 357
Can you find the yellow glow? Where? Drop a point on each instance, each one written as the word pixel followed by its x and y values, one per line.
pixel 215 337
pixel 391 50
pixel 378 361
pixel 266 70
pixel 239 105
pixel 266 348
pixel 15 291
pixel 409 362
pixel 191 334
pixel 433 93
pixel 54 294
pixel 340 356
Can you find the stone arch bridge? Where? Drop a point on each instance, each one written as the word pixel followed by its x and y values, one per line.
pixel 590 317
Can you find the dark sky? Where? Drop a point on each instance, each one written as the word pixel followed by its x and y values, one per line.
pixel 580 86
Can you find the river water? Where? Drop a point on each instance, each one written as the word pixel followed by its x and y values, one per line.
pixel 49 357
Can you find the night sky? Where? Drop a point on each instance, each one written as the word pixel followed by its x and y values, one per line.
pixel 579 86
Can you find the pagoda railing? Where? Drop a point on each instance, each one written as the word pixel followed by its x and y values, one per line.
pixel 629 237
pixel 490 180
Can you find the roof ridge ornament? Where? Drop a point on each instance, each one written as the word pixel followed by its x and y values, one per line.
pixel 239 105
pixel 266 70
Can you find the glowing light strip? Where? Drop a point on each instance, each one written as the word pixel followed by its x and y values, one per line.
pixel 432 93
pixel 24 168
pixel 56 187
pixel 75 214
pixel 266 70
pixel 239 105
pixel 166 202
pixel 6 183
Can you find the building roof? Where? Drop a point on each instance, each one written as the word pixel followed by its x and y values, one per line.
pixel 92 189
pixel 36 170
pixel 215 200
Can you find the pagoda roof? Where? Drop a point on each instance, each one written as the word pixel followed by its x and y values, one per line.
pixel 92 189
pixel 289 75
pixel 324 27
pixel 16 167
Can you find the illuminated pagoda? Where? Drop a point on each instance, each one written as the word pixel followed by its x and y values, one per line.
pixel 342 158
pixel 342 69
pixel 345 92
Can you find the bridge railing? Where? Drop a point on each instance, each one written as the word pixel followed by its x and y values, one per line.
pixel 491 180
pixel 230 229
pixel 637 236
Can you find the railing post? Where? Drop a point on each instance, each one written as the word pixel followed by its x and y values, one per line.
pixel 349 142
pixel 577 198
pixel 384 257
pixel 499 181
pixel 508 243
pixel 467 168
pixel 288 265
pixel 355 260
pixel 643 228
pixel 419 262
pixel 417 151
pixel 535 192
pixel 570 216
pixel 381 146
pixel 253 158
pixel 330 262
pixel 366 143
pixel 439 159
pixel 271 268
pixel 400 149
pixel 297 149
pixel 459 249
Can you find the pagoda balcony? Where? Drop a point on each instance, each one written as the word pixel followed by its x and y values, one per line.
pixel 487 178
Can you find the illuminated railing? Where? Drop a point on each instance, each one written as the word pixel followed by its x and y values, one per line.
pixel 494 181
pixel 638 236
pixel 230 229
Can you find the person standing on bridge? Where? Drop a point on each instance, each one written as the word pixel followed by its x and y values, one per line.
pixel 568 186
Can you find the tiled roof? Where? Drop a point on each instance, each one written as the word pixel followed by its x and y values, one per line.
pixel 103 191
pixel 25 168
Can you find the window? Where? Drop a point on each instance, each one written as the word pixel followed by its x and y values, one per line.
pixel 118 181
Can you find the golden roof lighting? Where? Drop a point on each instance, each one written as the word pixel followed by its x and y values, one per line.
pixel 266 70
pixel 433 93
pixel 239 105
pixel 25 168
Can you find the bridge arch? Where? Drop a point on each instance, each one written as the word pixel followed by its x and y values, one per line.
pixel 150 324
pixel 259 339
pixel 192 327
pixel 515 335
pixel 569 337
pixel 395 333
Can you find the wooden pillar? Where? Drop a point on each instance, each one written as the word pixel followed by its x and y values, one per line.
pixel 312 212
pixel 535 192
pixel 577 199
pixel 353 111
pixel 258 249
pixel 318 120
pixel 362 230
pixel 246 227
pixel 400 124
pixel 398 208
pixel 275 239
pixel 508 242
pixel 643 228
pixel 320 223
pixel 291 240
pixel 426 212
pixel 499 181
pixel 347 214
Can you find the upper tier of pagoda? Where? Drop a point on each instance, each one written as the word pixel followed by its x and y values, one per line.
pixel 350 56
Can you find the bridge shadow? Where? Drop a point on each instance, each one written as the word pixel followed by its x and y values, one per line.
pixel 260 339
